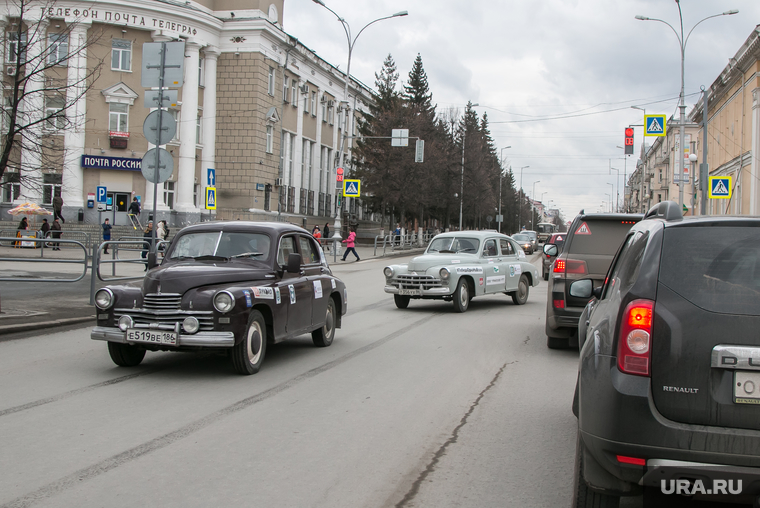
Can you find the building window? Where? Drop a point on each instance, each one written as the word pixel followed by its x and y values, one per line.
pixel 51 187
pixel 306 103
pixel 118 116
pixel 313 103
pixel 198 131
pixel 58 49
pixel 196 193
pixel 270 86
pixel 121 55
pixel 169 194
pixel 330 115
pixel 270 135
pixel 201 72
pixel 294 92
pixel 14 46
pixel 659 198
pixel 175 114
pixel 11 187
pixel 324 108
pixel 55 118
pixel 285 89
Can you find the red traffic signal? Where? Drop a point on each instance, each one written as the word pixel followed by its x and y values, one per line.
pixel 628 141
pixel 340 170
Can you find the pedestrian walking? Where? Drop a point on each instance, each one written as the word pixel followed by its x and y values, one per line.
pixel 134 207
pixel 161 233
pixel 57 207
pixel 350 245
pixel 317 234
pixel 106 234
pixel 45 229
pixel 327 237
pixel 55 231
pixel 148 239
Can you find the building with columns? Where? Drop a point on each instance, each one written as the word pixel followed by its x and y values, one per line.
pixel 258 108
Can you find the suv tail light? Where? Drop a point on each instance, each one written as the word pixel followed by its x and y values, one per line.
pixel 573 266
pixel 635 342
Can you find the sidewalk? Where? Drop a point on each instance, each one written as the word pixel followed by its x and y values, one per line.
pixel 26 306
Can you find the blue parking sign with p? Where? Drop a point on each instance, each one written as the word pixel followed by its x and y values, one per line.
pixel 101 194
pixel 210 198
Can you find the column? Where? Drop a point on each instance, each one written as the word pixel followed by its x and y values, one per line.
pixel 189 117
pixel 754 198
pixel 298 153
pixel 34 104
pixel 74 136
pixel 208 122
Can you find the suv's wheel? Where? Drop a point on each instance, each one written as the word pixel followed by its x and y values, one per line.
pixel 249 353
pixel 323 336
pixel 584 497
pixel 462 296
pixel 520 296
pixel 401 301
pixel 125 355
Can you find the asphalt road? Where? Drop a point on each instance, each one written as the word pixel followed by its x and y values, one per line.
pixel 420 407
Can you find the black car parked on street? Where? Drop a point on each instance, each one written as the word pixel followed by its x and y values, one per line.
pixel 668 391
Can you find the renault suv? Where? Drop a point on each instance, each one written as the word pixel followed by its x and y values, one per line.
pixel 668 392
pixel 590 244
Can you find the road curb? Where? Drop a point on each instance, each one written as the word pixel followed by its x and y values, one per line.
pixel 23 327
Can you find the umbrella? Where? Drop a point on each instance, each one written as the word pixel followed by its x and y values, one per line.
pixel 29 208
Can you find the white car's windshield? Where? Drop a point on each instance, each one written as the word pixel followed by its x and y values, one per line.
pixel 222 244
pixel 453 244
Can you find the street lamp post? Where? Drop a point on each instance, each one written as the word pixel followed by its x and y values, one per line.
pixel 501 175
pixel 643 168
pixel 611 194
pixel 533 206
pixel 681 102
pixel 617 182
pixel 520 196
pixel 461 186
pixel 351 44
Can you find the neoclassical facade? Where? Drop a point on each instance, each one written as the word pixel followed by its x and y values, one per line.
pixel 259 109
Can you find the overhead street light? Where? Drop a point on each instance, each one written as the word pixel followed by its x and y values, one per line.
pixel 501 175
pixel 682 104
pixel 351 44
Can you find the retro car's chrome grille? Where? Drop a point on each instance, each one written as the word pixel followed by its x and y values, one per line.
pixel 409 281
pixel 162 301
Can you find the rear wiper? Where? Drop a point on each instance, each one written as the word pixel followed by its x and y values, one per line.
pixel 247 254
pixel 210 257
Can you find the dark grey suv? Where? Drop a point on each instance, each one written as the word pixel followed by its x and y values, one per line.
pixel 668 393
pixel 591 242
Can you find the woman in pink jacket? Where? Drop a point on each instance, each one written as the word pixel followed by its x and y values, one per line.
pixel 350 245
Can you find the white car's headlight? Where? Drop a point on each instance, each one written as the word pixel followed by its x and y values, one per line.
pixel 104 298
pixel 444 273
pixel 223 302
pixel 388 271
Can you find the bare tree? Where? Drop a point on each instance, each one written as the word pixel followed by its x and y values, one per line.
pixel 46 75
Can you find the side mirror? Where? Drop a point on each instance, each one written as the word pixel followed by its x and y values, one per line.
pixel 597 292
pixel 551 250
pixel 294 263
pixel 583 288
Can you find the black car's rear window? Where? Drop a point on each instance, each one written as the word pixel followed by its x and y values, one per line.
pixel 599 236
pixel 717 268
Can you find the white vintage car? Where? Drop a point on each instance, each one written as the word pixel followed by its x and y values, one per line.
pixel 461 265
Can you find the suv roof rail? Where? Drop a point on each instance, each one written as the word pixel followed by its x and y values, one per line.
pixel 668 210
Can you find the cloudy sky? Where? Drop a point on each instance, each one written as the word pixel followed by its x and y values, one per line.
pixel 557 78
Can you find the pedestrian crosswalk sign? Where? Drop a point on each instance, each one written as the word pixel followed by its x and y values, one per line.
pixel 654 125
pixel 352 188
pixel 210 198
pixel 720 187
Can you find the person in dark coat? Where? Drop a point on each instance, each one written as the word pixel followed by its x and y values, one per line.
pixel 134 207
pixel 56 233
pixel 45 229
pixel 24 224
pixel 327 237
pixel 106 234
pixel 148 237
pixel 57 207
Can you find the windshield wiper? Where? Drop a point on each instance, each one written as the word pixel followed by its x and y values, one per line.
pixel 210 257
pixel 447 251
pixel 247 254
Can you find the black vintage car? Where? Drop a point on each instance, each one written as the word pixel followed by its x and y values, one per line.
pixel 225 286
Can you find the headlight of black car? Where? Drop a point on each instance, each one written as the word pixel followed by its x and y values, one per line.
pixel 224 301
pixel 104 298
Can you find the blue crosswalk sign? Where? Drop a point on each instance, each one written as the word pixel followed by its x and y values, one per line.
pixel 210 198
pixel 720 187
pixel 654 125
pixel 352 188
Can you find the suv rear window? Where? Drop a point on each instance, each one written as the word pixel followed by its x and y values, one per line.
pixel 716 269
pixel 599 236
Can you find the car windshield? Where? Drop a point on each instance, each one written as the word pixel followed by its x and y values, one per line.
pixel 222 244
pixel 521 238
pixel 453 244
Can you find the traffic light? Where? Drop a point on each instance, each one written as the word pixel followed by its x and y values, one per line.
pixel 628 141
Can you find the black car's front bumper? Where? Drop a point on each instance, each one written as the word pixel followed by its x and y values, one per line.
pixel 200 339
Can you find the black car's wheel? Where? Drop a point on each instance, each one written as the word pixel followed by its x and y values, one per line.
pixel 125 355
pixel 323 336
pixel 249 353
pixel 520 296
pixel 402 302
pixel 583 497
pixel 462 296
pixel 557 342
